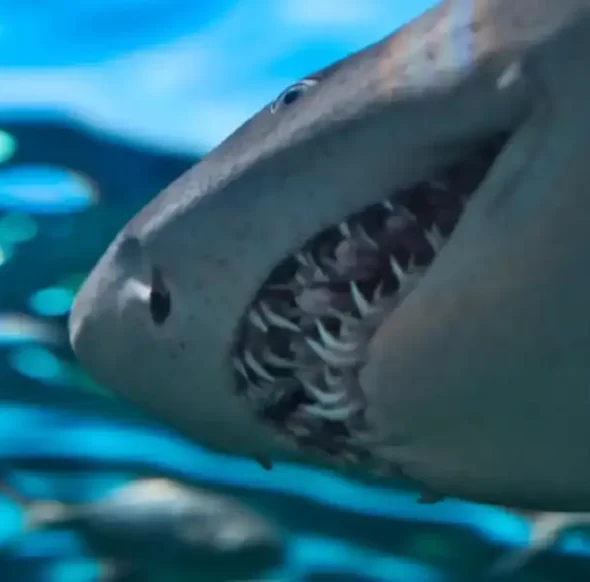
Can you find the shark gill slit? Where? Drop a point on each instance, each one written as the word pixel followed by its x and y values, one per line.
pixel 302 341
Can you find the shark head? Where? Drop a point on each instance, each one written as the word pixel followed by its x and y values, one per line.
pixel 383 268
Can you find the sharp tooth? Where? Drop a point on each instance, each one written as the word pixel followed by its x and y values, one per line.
pixel 277 361
pixel 330 379
pixel 320 276
pixel 331 413
pixel 257 321
pixel 378 293
pixel 239 366
pixel 276 319
pixel 364 440
pixel 324 398
pixel 337 360
pixel 302 278
pixel 364 307
pixel 406 213
pixel 256 366
pixel 435 239
pixel 331 342
pixel 396 268
pixel 388 205
pixel 256 390
pixel 299 431
pixel 344 230
pixel 302 259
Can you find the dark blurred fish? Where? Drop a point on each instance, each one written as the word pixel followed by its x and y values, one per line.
pixel 154 525
pixel 547 529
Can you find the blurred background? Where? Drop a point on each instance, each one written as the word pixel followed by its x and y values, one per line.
pixel 102 104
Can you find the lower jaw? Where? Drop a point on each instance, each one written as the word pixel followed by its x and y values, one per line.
pixel 303 340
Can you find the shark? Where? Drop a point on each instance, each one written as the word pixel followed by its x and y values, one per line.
pixel 382 271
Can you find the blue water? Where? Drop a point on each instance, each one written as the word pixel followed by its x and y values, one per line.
pixel 103 103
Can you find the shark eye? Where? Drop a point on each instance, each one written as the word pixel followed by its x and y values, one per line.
pixel 160 301
pixel 292 94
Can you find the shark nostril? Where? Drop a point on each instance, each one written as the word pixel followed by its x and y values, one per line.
pixel 160 300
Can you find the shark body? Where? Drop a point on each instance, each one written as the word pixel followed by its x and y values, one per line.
pixel 476 385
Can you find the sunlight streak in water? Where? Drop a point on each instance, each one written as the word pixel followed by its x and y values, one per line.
pixel 44 190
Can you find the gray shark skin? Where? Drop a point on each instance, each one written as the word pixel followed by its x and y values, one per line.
pixel 477 384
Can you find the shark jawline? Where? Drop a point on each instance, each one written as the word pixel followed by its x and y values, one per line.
pixel 302 342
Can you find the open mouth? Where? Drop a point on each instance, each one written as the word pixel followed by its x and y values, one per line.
pixel 303 340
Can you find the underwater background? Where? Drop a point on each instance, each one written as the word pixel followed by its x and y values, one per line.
pixel 102 104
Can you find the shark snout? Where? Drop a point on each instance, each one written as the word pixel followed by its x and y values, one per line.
pixel 113 293
pixel 84 325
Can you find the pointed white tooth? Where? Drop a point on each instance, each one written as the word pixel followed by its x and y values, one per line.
pixel 257 394
pixel 331 413
pixel 320 276
pixel 257 321
pixel 298 431
pixel 396 268
pixel 276 319
pixel 344 230
pixel 406 213
pixel 363 439
pixel 388 205
pixel 239 366
pixel 331 380
pixel 435 239
pixel 364 307
pixel 277 361
pixel 256 366
pixel 333 343
pixel 334 359
pixel 303 278
pixel 256 390
pixel 303 259
pixel 378 293
pixel 324 398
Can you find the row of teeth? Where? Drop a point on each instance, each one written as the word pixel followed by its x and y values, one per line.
pixel 303 340
pixel 297 317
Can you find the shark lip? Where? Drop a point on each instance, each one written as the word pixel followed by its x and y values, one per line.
pixel 302 341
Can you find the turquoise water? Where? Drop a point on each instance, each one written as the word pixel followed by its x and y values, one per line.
pixel 101 105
